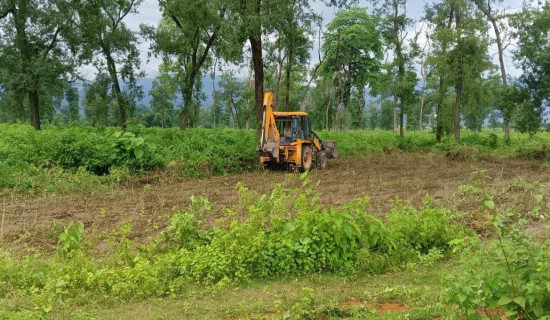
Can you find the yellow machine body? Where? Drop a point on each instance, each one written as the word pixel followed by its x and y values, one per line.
pixel 287 139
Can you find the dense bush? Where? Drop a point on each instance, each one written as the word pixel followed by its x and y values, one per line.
pixel 55 157
pixel 32 160
pixel 285 233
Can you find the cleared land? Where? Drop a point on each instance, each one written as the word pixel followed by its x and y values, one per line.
pixel 148 202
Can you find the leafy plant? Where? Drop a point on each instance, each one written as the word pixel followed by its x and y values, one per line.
pixel 70 241
pixel 511 275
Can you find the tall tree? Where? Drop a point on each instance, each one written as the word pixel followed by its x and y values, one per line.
pixel 353 54
pixel 532 27
pixel 73 99
pixel 394 25
pixel 163 93
pixel 485 7
pixel 107 41
pixel 459 60
pixel 189 33
pixel 233 99
pixel 254 18
pixel 295 41
pixel 440 17
pixel 31 48
pixel 98 101
pixel 469 58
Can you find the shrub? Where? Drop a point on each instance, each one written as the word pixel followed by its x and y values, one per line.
pixel 512 275
pixel 284 233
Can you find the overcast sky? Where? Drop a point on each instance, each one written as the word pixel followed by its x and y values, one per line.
pixel 149 14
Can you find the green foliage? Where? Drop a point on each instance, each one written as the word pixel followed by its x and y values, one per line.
pixel 70 241
pixel 64 159
pixel 532 26
pixel 105 41
pixel 514 277
pixel 67 158
pixel 285 233
pixel 132 151
pixel 353 51
pixel 35 64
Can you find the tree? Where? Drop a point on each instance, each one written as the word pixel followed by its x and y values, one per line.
pixel 353 54
pixel 440 17
pixel 189 33
pixel 31 48
pixel 254 18
pixel 73 99
pixel 233 98
pixel 394 24
pixel 107 41
pixel 491 16
pixel 295 42
pixel 98 101
pixel 459 60
pixel 469 59
pixel 163 93
pixel 532 26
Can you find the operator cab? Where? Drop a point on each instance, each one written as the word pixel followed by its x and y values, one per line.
pixel 293 128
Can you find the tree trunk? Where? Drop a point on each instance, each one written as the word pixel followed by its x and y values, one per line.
pixel 111 67
pixel 214 95
pixel 492 19
pixel 278 73
pixel 327 110
pixel 185 116
pixel 400 65
pixel 288 73
pixel 361 106
pixel 439 124
pixel 257 58
pixel 395 125
pixel 422 98
pixel 442 90
pixel 401 122
pixel 34 109
pixel 459 79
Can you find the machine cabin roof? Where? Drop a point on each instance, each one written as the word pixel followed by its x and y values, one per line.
pixel 289 113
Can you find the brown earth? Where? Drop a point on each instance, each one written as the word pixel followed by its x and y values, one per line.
pixel 146 202
pixel 381 308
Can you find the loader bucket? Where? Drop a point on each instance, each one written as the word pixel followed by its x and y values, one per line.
pixel 330 148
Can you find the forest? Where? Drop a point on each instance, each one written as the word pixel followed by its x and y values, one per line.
pixel 370 67
pixel 130 178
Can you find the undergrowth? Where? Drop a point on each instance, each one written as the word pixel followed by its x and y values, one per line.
pixel 508 277
pixel 285 233
pixel 79 158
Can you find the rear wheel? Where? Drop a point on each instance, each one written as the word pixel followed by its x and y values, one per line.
pixel 307 158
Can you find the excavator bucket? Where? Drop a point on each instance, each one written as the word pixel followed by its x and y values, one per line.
pixel 330 148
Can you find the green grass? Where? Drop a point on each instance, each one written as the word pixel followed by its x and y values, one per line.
pixel 318 296
pixel 59 160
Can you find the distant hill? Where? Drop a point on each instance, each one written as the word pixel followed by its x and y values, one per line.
pixel 147 83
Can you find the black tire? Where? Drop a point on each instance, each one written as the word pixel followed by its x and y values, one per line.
pixel 307 158
pixel 321 160
pixel 269 166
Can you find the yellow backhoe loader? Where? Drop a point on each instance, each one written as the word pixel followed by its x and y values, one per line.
pixel 287 140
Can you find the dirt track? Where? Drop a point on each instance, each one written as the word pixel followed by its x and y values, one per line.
pixel 411 176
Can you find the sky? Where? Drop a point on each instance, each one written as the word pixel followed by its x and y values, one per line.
pixel 149 13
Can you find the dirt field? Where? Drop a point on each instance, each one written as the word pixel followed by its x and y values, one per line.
pixel 29 222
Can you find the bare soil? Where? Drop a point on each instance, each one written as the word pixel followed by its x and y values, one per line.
pixel 147 202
